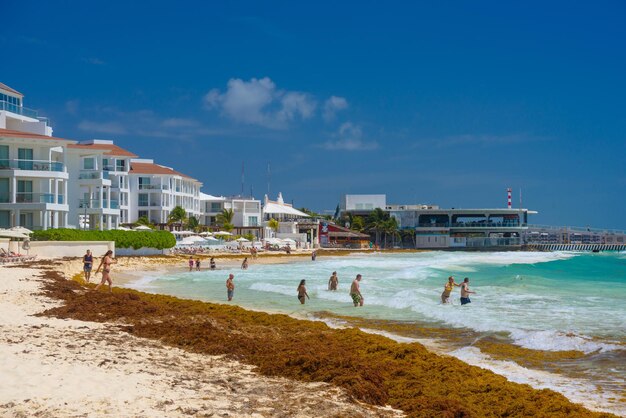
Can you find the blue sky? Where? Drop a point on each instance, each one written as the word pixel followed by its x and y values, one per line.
pixel 435 102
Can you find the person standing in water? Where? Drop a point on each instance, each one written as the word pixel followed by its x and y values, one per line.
pixel 313 255
pixel 244 265
pixel 198 264
pixel 465 292
pixel 333 282
pixel 355 291
pixel 212 264
pixel 105 263
pixel 190 263
pixel 230 287
pixel 87 265
pixel 447 290
pixel 302 292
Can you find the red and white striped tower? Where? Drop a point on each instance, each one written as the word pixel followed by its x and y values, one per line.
pixel 508 197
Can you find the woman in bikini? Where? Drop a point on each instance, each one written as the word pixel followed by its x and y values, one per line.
pixel 302 292
pixel 105 263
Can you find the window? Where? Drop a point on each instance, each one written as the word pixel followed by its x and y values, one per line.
pixel 253 221
pixel 5 219
pixel 143 199
pixel 105 164
pixel 4 156
pixel 25 157
pixel 120 165
pixel 216 207
pixel 26 219
pixel 143 213
pixel 143 182
pixel 5 196
pixel 89 163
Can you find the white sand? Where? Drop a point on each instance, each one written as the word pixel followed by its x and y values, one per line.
pixel 56 368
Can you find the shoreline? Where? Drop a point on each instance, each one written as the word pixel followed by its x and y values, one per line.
pixel 228 308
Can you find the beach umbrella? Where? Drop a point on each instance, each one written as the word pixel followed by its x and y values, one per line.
pixel 211 239
pixel 222 233
pixel 122 228
pixel 21 230
pixel 7 233
pixel 142 228
pixel 242 239
pixel 206 234
pixel 289 241
pixel 273 241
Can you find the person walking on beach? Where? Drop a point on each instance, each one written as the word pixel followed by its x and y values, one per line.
pixel 212 263
pixel 190 263
pixel 333 281
pixel 197 264
pixel 230 287
pixel 87 264
pixel 302 292
pixel 465 292
pixel 447 290
pixel 244 265
pixel 355 291
pixel 105 263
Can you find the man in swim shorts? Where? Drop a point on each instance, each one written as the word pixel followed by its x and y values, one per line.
pixel 465 292
pixel 87 265
pixel 355 292
pixel 230 287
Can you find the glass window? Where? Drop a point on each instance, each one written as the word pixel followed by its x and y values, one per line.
pixel 120 165
pixel 25 157
pixel 216 207
pixel 143 199
pixel 5 219
pixel 89 163
pixel 105 164
pixel 4 156
pixel 5 196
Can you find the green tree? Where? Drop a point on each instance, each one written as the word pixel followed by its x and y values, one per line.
pixel 228 226
pixel 273 224
pixel 193 223
pixel 225 217
pixel 144 221
pixel 357 224
pixel 375 223
pixel 178 215
pixel 390 228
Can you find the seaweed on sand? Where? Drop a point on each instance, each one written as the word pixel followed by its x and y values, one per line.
pixel 371 368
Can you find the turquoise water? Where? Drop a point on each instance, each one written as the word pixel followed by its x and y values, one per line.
pixel 555 301
pixel 545 301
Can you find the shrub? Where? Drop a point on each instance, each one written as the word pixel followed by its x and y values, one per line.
pixel 123 239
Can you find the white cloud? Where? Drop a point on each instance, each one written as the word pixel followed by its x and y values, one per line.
pixel 179 123
pixel 333 105
pixel 349 138
pixel 114 128
pixel 259 102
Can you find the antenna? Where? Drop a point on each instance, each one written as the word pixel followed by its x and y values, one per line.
pixel 269 178
pixel 242 177
pixel 508 197
pixel 520 198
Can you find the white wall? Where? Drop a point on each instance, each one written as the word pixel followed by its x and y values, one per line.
pixel 67 248
pixel 363 201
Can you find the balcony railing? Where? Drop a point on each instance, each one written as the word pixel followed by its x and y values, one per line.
pixel 487 224
pixel 20 110
pixel 28 197
pixel 35 165
pixel 153 187
pixel 98 204
pixel 93 175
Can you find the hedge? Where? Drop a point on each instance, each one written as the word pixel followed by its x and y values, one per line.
pixel 123 239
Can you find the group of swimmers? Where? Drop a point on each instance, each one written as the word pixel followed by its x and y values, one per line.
pixel 197 264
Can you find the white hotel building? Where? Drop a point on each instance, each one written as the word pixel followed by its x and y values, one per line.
pixel 33 174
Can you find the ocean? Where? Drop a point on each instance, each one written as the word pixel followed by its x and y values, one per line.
pixel 550 319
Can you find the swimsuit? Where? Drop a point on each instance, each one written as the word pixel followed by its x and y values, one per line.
pixel 465 301
pixel 88 260
pixel 356 298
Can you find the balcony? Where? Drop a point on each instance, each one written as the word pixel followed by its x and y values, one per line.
pixel 28 197
pixel 17 109
pixel 153 187
pixel 98 204
pixel 511 224
pixel 34 165
pixel 93 175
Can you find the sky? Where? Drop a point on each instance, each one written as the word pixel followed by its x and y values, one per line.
pixel 446 103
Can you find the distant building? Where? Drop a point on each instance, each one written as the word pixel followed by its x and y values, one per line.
pixel 158 190
pixel 99 195
pixel 362 204
pixel 247 213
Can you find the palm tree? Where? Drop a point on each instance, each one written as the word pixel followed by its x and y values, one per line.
pixel 144 221
pixel 225 217
pixel 178 215
pixel 375 222
pixel 390 228
pixel 273 224
pixel 193 223
pixel 357 224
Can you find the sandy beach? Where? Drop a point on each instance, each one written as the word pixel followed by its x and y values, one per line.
pixel 60 367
